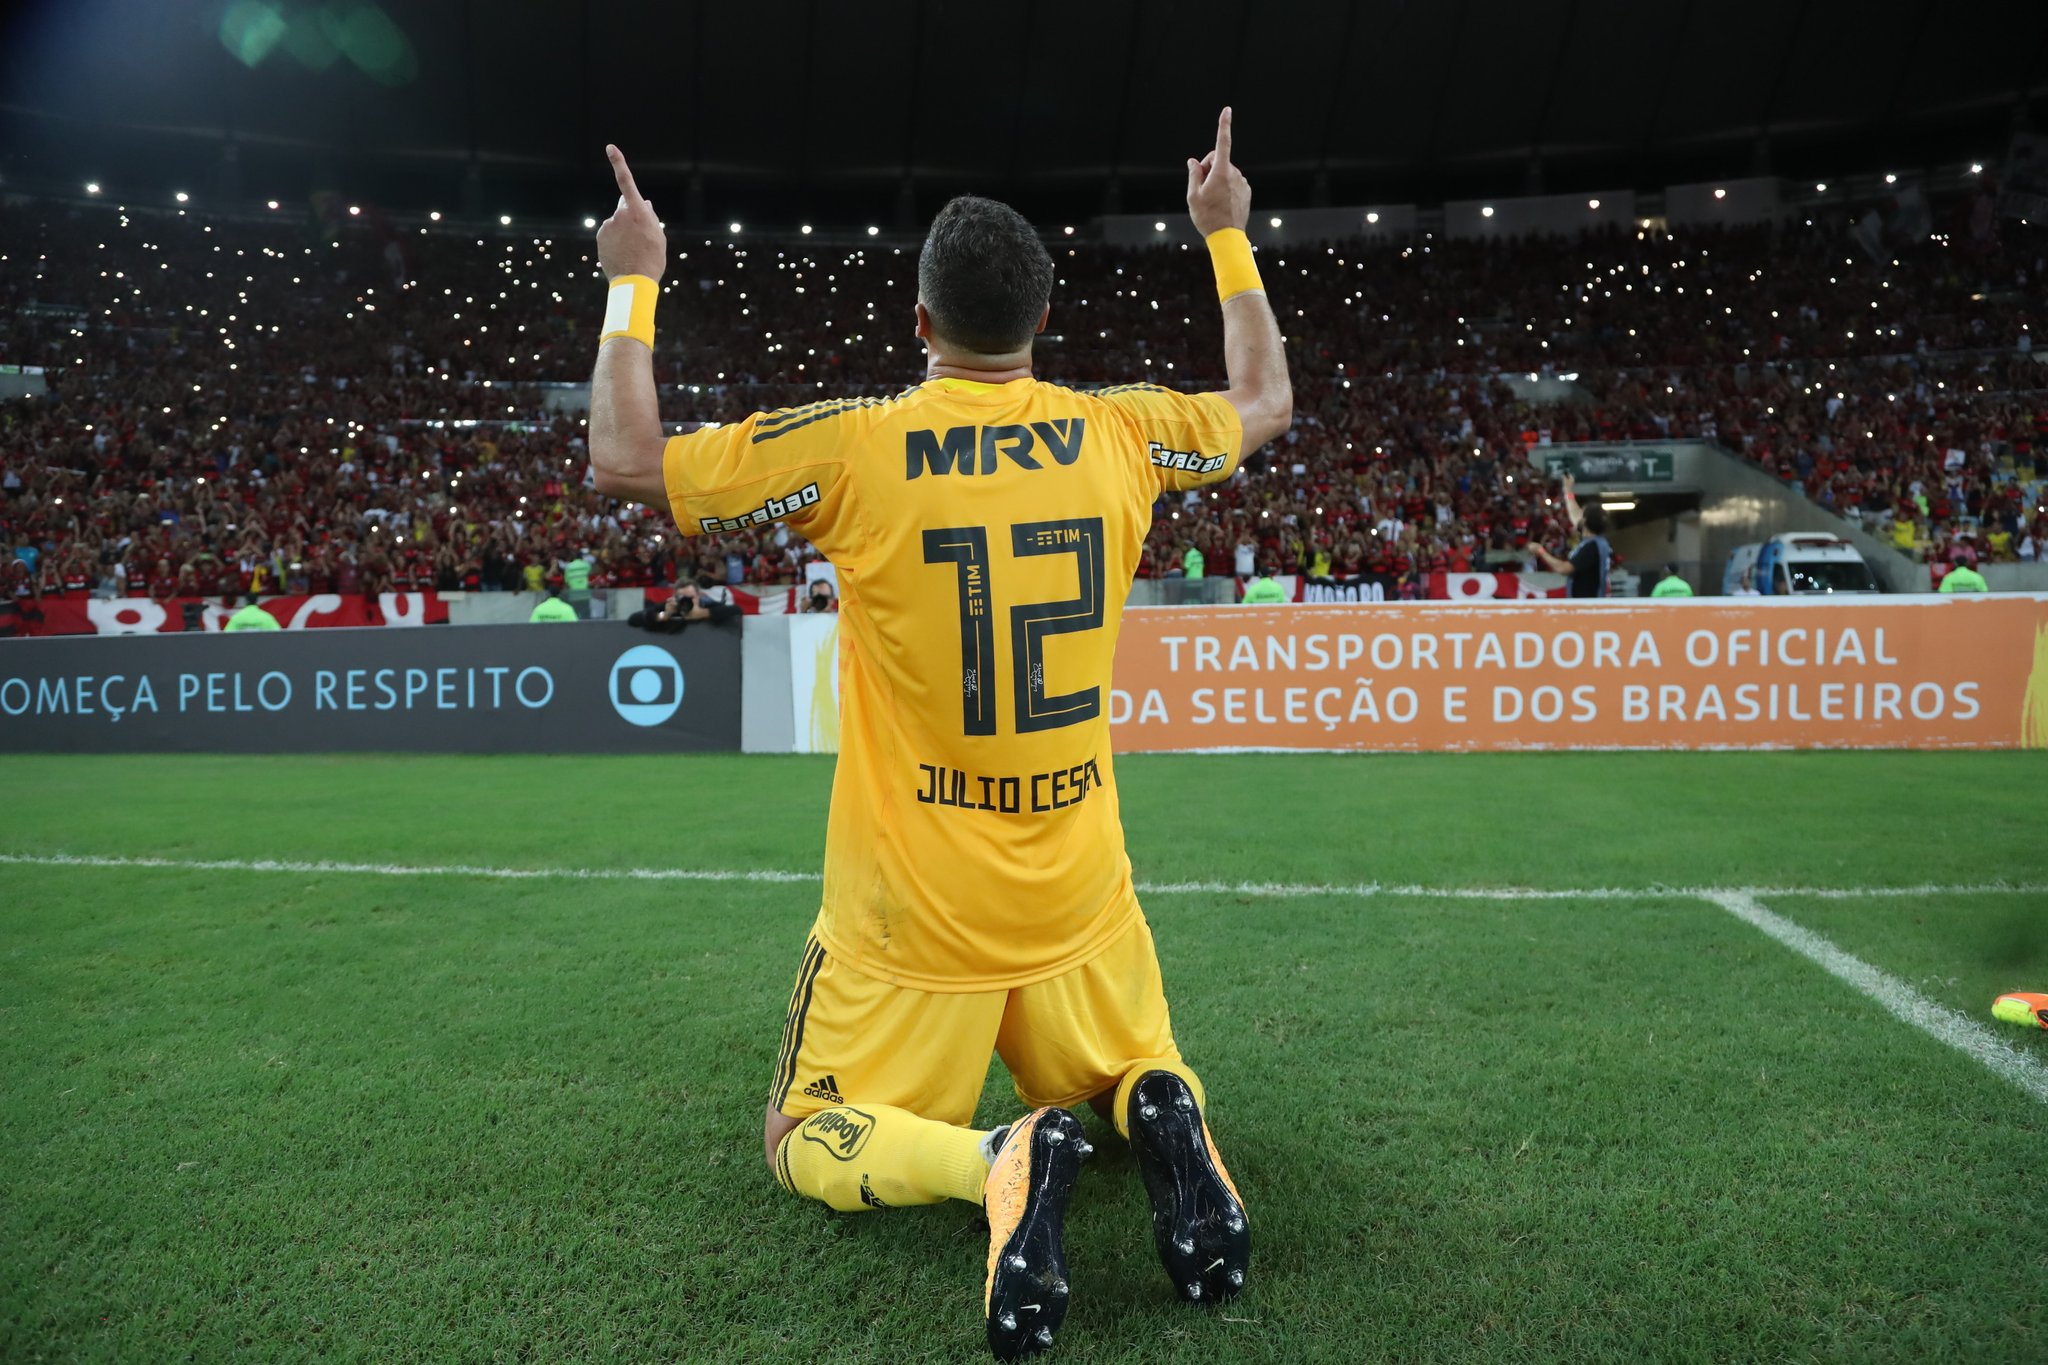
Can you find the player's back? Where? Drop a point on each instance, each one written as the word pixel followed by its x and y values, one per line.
pixel 985 536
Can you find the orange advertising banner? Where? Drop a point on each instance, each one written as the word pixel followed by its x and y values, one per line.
pixel 1895 673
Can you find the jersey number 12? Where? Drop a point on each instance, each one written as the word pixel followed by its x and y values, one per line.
pixel 966 547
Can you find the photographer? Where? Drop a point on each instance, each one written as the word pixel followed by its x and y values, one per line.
pixel 675 615
pixel 818 597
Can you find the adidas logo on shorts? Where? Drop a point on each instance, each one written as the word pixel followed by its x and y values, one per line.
pixel 825 1088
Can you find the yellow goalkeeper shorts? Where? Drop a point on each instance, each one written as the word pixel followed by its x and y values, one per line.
pixel 850 1039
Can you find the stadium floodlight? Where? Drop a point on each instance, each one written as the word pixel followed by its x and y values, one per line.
pixel 434 216
pixel 1821 188
pixel 1592 203
pixel 1720 194
pixel 182 197
pixel 1372 217
pixel 92 187
pixel 504 220
pixel 355 210
pixel 874 231
pixel 732 228
pixel 1623 505
pixel 589 222
pixel 1069 231
pixel 1976 168
pixel 1486 212
pixel 1275 222
pixel 1159 227
pixel 806 229
pixel 272 204
pixel 1890 179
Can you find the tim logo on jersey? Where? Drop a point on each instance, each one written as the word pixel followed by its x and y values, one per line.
pixel 967 450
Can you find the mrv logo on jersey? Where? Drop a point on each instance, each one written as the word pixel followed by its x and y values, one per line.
pixel 967 450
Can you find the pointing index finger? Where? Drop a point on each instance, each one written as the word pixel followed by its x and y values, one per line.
pixel 1223 137
pixel 622 174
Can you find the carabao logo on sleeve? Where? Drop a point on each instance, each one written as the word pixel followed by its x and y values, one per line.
pixel 646 685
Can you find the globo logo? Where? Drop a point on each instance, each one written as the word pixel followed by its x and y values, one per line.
pixel 646 685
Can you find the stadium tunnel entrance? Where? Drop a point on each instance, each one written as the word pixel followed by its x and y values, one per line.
pixel 1652 530
pixel 1695 501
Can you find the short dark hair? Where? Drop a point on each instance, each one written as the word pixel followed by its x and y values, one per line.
pixel 1596 519
pixel 984 276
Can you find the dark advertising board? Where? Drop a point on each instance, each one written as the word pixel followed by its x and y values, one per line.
pixel 585 687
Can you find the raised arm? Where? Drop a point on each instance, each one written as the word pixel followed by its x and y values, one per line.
pixel 1220 203
pixel 625 411
pixel 1571 502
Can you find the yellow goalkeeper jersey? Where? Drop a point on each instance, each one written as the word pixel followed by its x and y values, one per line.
pixel 985 537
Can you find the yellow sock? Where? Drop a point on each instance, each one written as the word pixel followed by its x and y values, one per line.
pixel 878 1157
pixel 1136 1073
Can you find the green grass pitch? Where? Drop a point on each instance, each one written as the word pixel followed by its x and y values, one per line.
pixel 329 1115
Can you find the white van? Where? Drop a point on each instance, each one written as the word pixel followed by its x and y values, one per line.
pixel 1799 564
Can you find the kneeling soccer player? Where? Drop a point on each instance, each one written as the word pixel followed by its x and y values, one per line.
pixel 977 896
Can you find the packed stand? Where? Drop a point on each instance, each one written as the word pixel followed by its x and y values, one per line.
pixel 345 406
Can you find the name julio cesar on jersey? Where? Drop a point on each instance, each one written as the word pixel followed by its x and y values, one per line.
pixel 943 786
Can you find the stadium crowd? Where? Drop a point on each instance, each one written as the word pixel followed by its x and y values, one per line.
pixel 339 404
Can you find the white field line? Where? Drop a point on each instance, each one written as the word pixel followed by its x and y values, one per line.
pixel 1363 890
pixel 1410 891
pixel 609 874
pixel 1901 1001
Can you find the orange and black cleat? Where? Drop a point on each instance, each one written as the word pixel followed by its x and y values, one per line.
pixel 1029 1183
pixel 2021 1007
pixel 1198 1220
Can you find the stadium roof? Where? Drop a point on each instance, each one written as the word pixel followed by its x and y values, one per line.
pixel 826 109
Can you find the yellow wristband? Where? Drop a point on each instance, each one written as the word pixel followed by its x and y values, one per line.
pixel 1230 252
pixel 629 310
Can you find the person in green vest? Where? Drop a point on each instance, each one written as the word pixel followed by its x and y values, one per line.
pixel 1192 562
pixel 249 616
pixel 1671 585
pixel 553 608
pixel 576 582
pixel 1964 578
pixel 1263 590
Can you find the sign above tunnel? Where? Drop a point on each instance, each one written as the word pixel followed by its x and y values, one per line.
pixel 1612 466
